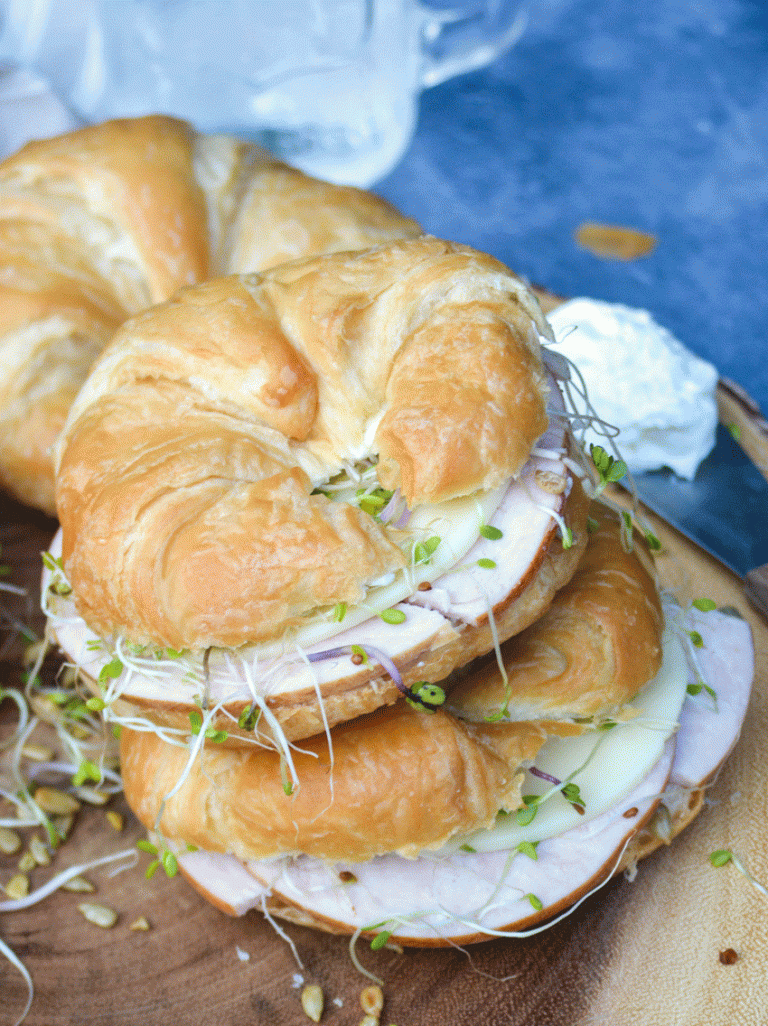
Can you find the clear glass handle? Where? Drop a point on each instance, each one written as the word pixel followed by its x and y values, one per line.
pixel 456 40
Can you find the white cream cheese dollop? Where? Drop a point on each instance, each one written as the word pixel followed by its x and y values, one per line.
pixel 642 380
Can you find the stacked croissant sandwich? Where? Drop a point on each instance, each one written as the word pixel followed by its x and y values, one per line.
pixel 330 556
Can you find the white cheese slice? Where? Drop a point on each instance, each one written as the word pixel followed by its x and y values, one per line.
pixel 614 761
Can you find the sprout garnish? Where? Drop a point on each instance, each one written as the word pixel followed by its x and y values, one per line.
pixel 423 551
pixel 528 848
pixel 211 734
pixel 423 694
pixel 724 856
pixel 393 616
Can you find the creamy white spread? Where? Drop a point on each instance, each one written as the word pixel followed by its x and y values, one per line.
pixel 642 380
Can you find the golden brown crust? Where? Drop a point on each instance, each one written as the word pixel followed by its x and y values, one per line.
pixel 103 222
pixel 185 483
pixel 396 780
pixel 591 652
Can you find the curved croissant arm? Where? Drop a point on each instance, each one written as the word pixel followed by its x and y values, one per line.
pixel 595 647
pixel 189 470
pixel 105 221
pixel 395 780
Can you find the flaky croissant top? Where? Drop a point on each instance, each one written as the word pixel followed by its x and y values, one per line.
pixel 103 222
pixel 188 470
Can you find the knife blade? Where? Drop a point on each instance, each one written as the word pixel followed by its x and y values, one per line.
pixel 724 510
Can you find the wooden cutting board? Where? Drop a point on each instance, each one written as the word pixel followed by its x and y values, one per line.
pixel 635 954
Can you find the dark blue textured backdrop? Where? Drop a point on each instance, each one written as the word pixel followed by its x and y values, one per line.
pixel 650 114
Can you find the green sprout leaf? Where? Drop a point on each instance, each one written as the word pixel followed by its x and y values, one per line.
pixel 572 794
pixel 110 670
pixel 52 563
pixel 653 542
pixel 567 538
pixel 392 616
pixel 358 650
pixel 526 815
pixel 170 864
pixel 491 533
pixel 609 469
pixel 696 639
pixel 535 902
pixel 424 551
pixel 147 846
pixel 86 771
pixel 721 857
pixel 211 734
pixel 426 696
pixel 373 502
pixel 528 848
pixel 249 717
pixel 380 940
pixel 705 605
pixel 339 611
pixel 487 564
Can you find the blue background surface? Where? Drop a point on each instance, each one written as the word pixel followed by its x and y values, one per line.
pixel 652 115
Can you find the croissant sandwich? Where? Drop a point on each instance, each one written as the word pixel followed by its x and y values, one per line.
pixel 328 558
pixel 105 221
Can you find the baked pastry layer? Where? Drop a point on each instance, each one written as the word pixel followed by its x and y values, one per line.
pixel 192 472
pixel 105 221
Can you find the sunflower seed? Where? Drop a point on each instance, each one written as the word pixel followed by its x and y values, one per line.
pixel 51 799
pixel 115 820
pixel 10 841
pixel 39 852
pixel 78 885
pixel 92 795
pixel 18 886
pixel 99 915
pixel 37 753
pixel 27 862
pixel 372 1000
pixel 312 1001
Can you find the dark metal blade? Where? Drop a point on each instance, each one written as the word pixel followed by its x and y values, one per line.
pixel 724 509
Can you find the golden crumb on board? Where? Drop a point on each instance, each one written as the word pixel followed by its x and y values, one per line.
pixel 614 242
